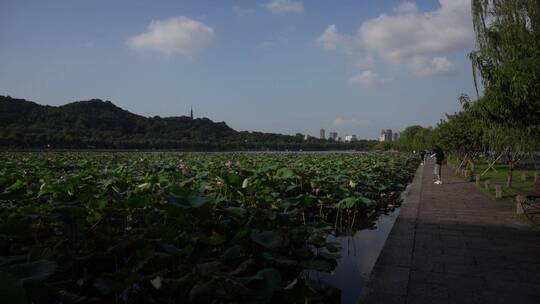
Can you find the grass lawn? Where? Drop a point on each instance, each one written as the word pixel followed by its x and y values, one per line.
pixel 500 176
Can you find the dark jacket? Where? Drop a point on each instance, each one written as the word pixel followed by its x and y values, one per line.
pixel 439 155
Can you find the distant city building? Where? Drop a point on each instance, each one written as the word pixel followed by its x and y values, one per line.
pixel 323 135
pixel 191 113
pixel 396 136
pixel 350 138
pixel 386 135
pixel 333 135
pixel 306 137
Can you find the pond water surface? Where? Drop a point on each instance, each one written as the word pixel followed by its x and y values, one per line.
pixel 359 252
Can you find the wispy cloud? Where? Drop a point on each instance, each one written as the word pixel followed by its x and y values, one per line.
pixel 279 40
pixel 284 6
pixel 175 36
pixel 369 79
pixel 437 66
pixel 332 40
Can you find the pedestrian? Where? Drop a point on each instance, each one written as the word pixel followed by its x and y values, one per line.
pixel 439 158
pixel 422 157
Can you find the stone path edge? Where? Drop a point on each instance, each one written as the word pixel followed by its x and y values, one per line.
pixel 389 278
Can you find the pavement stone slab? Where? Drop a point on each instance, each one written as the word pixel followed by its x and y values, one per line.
pixel 453 244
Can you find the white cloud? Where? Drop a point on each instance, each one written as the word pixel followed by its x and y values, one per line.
pixel 406 35
pixel 330 39
pixel 420 41
pixel 364 62
pixel 284 6
pixel 243 12
pixel 368 79
pixel 175 36
pixel 407 8
pixel 437 66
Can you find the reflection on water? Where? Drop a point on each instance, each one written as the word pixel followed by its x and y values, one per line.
pixel 359 253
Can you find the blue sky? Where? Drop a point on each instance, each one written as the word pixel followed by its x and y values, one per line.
pixel 283 66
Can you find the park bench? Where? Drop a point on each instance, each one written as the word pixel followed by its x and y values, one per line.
pixel 528 202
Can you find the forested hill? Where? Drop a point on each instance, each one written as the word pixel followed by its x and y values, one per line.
pixel 103 125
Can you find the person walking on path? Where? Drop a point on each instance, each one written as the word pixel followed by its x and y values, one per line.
pixel 422 157
pixel 439 157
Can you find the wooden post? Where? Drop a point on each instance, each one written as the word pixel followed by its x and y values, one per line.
pixel 498 191
pixel 477 178
pixel 486 185
pixel 519 206
pixel 523 177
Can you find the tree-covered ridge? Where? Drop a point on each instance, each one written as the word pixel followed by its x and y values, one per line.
pixel 101 124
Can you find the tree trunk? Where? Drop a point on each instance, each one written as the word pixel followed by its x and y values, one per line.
pixel 510 158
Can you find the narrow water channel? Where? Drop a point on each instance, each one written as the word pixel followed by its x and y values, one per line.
pixel 359 252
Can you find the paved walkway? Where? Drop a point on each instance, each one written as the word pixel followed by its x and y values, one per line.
pixel 452 244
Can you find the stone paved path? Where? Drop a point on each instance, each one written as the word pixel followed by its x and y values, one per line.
pixel 452 244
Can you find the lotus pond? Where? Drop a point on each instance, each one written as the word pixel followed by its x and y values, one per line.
pixel 185 227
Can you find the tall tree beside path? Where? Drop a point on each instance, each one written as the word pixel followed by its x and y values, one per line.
pixel 461 133
pixel 508 63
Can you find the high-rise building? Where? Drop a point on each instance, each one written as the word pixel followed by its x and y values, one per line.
pixel 191 113
pixel 323 135
pixel 350 138
pixel 333 135
pixel 386 135
pixel 396 136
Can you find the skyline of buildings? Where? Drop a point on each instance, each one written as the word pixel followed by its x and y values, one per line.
pixel 386 136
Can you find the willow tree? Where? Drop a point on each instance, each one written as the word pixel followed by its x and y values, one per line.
pixel 508 62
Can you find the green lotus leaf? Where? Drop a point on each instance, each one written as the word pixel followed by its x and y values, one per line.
pixel 233 179
pixel 11 289
pixel 284 173
pixel 318 264
pixel 348 202
pixel 187 202
pixel 265 282
pixel 206 291
pixel 235 211
pixel 367 201
pixel 279 260
pixel 232 253
pixel 268 239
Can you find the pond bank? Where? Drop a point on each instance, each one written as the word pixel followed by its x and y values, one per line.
pixel 360 251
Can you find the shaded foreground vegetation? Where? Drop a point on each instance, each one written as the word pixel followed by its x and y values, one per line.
pixel 184 228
